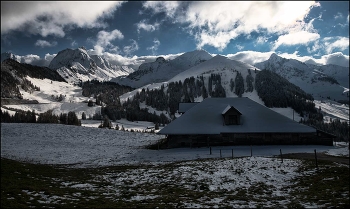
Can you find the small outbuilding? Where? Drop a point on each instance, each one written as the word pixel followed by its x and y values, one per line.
pixel 237 121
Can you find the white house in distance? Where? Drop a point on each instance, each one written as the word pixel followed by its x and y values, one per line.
pixel 237 121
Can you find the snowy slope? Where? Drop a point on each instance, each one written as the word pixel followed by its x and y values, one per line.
pixel 76 64
pixel 227 68
pixel 331 109
pixel 73 100
pixel 162 70
pixel 307 76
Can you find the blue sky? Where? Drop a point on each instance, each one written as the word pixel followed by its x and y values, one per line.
pixel 126 31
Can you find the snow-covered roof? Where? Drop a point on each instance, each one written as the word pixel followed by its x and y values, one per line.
pixel 206 118
pixel 183 107
pixel 228 108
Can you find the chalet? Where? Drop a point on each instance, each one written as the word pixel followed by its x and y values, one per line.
pixel 237 121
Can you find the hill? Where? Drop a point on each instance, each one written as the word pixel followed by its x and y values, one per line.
pixel 326 81
pixel 162 70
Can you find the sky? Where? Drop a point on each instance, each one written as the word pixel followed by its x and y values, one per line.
pixel 132 32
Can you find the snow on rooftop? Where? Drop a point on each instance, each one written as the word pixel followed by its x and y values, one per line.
pixel 226 109
pixel 206 118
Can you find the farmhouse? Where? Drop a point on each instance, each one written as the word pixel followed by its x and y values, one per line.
pixel 237 121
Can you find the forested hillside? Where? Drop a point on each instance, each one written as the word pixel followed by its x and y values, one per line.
pixel 14 74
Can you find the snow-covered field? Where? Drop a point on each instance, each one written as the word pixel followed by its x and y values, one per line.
pixel 85 146
pixel 219 179
pixel 142 126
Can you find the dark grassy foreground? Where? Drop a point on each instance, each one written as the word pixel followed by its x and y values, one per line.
pixel 24 185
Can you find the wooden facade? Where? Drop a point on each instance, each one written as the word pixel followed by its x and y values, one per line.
pixel 232 116
pixel 237 121
pixel 232 139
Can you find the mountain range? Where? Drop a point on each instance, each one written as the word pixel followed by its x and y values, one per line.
pixel 321 81
pixel 75 65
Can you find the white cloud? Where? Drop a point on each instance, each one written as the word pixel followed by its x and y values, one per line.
pixel 48 57
pixel 155 46
pixel 239 47
pixel 128 50
pixel 43 43
pixel 227 20
pixel 104 39
pixel 51 18
pixel 336 58
pixel 253 57
pixel 36 60
pixel 332 43
pixel 168 7
pixel 29 58
pixel 301 37
pixel 135 61
pixel 219 41
pixel 147 27
pixel 74 43
pixel 261 40
pixel 338 16
pixel 250 57
pixel 315 47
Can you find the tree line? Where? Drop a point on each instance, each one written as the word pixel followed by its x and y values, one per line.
pixel 21 116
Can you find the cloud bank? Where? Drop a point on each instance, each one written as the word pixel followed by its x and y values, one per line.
pixel 52 18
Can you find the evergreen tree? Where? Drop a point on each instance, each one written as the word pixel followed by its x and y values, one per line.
pixel 83 116
pixel 239 87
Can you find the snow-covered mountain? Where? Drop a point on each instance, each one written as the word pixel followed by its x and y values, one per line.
pixel 221 65
pixel 320 81
pixel 162 70
pixel 76 64
pixel 8 55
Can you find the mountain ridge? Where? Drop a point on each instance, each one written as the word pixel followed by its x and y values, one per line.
pixel 162 70
pixel 322 81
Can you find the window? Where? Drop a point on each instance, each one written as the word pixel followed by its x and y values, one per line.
pixel 232 120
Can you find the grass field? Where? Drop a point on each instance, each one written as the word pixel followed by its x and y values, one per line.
pixel 200 183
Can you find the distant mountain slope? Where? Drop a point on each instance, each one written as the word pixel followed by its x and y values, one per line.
pixel 320 81
pixel 162 70
pixel 220 65
pixel 222 77
pixel 14 74
pixel 76 64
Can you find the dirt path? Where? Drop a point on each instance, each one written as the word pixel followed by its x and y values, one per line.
pixel 320 156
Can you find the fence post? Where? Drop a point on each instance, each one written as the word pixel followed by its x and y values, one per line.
pixel 316 159
pixel 281 155
pixel 220 153
pixel 251 151
pixel 232 153
pixel 210 150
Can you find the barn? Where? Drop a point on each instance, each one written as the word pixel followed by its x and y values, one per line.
pixel 237 121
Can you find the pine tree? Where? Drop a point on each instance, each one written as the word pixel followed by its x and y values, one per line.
pixel 83 116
